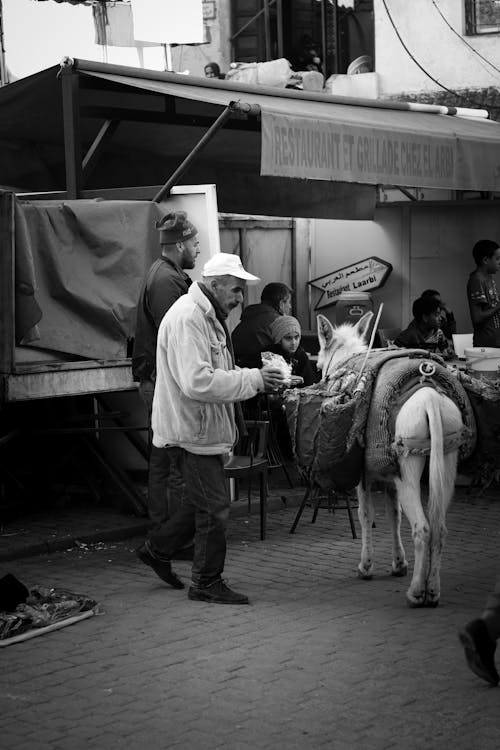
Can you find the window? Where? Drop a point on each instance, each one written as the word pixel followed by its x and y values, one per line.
pixel 482 16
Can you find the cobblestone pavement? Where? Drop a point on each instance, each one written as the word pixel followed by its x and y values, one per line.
pixel 320 659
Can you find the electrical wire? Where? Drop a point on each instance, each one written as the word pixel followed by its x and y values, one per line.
pixel 462 97
pixel 462 39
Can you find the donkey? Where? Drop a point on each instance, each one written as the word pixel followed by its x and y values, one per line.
pixel 426 414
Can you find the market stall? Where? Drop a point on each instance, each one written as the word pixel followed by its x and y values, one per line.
pixel 97 134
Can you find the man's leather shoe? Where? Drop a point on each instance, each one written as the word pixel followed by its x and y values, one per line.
pixel 216 593
pixel 162 568
pixel 479 650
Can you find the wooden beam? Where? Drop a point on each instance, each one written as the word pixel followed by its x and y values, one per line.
pixel 92 156
pixel 49 382
pixel 181 169
pixel 72 142
pixel 199 121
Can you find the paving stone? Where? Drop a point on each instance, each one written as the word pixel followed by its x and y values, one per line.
pixel 320 659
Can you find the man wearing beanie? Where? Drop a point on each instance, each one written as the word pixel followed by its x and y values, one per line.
pixel 194 416
pixel 165 282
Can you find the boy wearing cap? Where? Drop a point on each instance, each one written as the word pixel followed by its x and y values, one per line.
pixel 197 387
pixel 165 282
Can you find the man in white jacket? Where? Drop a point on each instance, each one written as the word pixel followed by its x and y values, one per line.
pixel 197 387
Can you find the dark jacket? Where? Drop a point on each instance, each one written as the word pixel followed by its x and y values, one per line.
pixel 414 338
pixel 164 284
pixel 252 335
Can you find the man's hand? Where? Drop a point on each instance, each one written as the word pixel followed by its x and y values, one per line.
pixel 273 378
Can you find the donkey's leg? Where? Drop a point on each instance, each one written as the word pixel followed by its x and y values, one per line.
pixel 408 489
pixel 393 511
pixel 366 515
pixel 438 535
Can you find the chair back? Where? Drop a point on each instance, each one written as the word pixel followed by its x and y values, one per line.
pixel 387 335
pixel 255 442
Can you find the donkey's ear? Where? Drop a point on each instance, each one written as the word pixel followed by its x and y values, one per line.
pixel 325 332
pixel 363 323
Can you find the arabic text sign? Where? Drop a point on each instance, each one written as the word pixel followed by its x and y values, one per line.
pixel 330 150
pixel 362 276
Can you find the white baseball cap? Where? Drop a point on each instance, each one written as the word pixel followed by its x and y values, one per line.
pixel 226 264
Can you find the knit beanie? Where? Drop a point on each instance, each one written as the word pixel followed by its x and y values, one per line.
pixel 175 227
pixel 284 325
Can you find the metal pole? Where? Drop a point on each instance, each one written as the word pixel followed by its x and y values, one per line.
pixel 167 51
pixel 335 36
pixel 247 24
pixel 4 77
pixel 267 30
pixel 324 46
pixel 249 88
pixel 223 117
pixel 279 24
pixel 71 128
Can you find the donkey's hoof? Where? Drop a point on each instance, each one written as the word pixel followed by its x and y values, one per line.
pixel 431 600
pixel 365 574
pixel 399 572
pixel 415 601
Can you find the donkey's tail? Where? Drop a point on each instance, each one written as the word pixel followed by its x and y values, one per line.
pixel 437 470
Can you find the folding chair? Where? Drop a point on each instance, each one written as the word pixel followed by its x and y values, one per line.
pixel 249 461
pixel 315 495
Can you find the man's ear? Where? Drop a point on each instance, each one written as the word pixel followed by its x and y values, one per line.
pixel 363 323
pixel 325 331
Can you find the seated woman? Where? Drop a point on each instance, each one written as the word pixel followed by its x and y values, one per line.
pixel 424 331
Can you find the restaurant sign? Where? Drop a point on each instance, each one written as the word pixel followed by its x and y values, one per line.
pixel 362 276
pixel 309 148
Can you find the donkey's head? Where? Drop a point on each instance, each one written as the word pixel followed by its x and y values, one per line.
pixel 338 344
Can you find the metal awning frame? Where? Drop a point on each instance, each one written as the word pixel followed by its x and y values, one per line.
pixel 79 167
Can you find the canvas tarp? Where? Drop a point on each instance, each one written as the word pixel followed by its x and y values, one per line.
pixel 86 260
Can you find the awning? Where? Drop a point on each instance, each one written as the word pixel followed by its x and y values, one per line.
pixel 327 140
pixel 305 154
pixel 373 146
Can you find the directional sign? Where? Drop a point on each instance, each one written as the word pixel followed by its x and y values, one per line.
pixel 362 276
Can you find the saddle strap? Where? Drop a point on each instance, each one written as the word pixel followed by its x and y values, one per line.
pixel 407 446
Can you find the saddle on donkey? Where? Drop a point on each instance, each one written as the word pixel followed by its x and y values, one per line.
pixel 346 422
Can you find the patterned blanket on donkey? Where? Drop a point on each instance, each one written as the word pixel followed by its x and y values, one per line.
pixel 339 424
